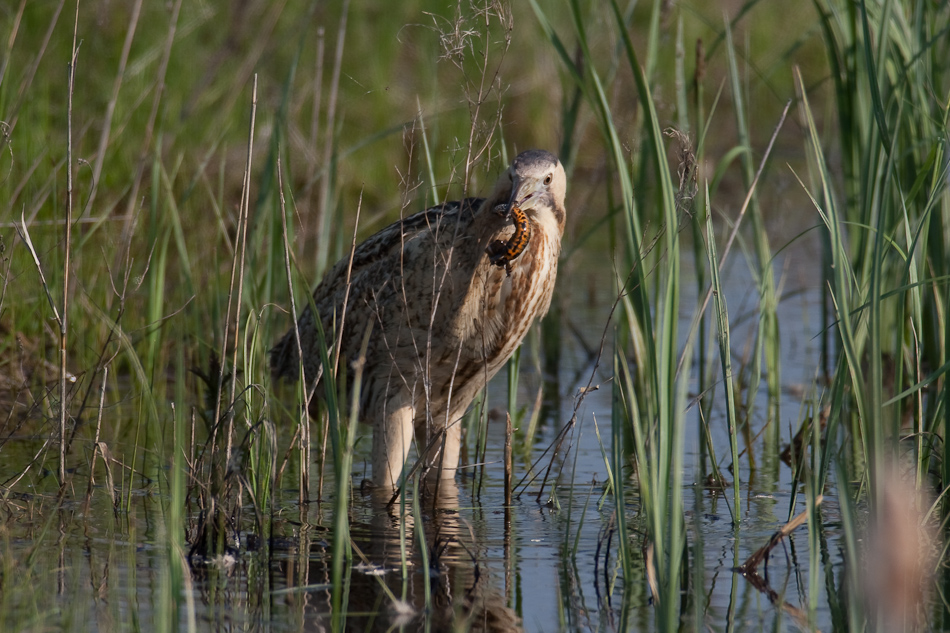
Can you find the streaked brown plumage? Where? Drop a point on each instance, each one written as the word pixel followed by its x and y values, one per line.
pixel 442 318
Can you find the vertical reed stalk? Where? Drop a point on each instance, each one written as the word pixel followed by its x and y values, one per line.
pixel 508 461
pixel 343 442
pixel 234 303
pixel 725 358
pixel 430 171
pixel 133 199
pixel 329 158
pixel 113 100
pixel 767 339
pixel 240 254
pixel 303 422
pixel 67 243
pixel 665 517
pixel 96 449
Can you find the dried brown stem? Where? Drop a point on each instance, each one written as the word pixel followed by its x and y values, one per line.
pixel 95 444
pixel 508 464
pixel 237 264
pixel 326 187
pixel 30 74
pixel 150 126
pixel 738 221
pixel 110 106
pixel 751 563
pixel 303 429
pixel 241 254
pixel 13 32
pixel 67 239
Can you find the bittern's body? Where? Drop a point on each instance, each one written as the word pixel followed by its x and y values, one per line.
pixel 442 315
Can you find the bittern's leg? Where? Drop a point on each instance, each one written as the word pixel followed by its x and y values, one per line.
pixel 447 453
pixel 392 437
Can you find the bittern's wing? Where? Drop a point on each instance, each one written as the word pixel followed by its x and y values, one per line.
pixel 374 286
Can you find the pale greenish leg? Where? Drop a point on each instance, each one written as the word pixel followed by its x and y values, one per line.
pixel 392 439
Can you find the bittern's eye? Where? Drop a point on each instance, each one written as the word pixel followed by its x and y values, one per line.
pixel 547 179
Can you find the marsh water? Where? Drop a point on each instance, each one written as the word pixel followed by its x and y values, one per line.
pixel 547 562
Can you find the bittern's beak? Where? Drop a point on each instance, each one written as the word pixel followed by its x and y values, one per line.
pixel 524 193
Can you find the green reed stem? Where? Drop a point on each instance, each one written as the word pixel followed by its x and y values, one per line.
pixel 725 358
pixel 767 340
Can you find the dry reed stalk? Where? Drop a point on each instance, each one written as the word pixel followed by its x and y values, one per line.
pixel 95 443
pixel 24 89
pixel 110 106
pixel 307 231
pixel 649 561
pixel 130 213
pixel 578 400
pixel 326 186
pixel 237 271
pixel 67 239
pixel 13 32
pixel 304 424
pixel 742 211
pixel 508 464
pixel 337 344
pixel 24 235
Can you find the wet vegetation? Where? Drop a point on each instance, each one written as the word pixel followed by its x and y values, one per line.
pixel 175 177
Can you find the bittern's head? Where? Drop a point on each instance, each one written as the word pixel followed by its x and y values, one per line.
pixel 535 181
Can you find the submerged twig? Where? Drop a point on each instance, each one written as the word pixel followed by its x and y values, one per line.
pixel 749 570
pixel 751 563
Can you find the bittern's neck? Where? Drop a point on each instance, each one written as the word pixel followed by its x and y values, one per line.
pixel 550 217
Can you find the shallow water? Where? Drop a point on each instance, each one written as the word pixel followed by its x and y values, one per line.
pixel 542 564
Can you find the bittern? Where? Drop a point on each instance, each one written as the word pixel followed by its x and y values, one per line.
pixel 441 299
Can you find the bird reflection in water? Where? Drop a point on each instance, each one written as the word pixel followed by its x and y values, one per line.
pixel 381 594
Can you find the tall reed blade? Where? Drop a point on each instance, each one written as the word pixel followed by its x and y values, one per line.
pixel 725 358
pixel 767 339
pixel 666 516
